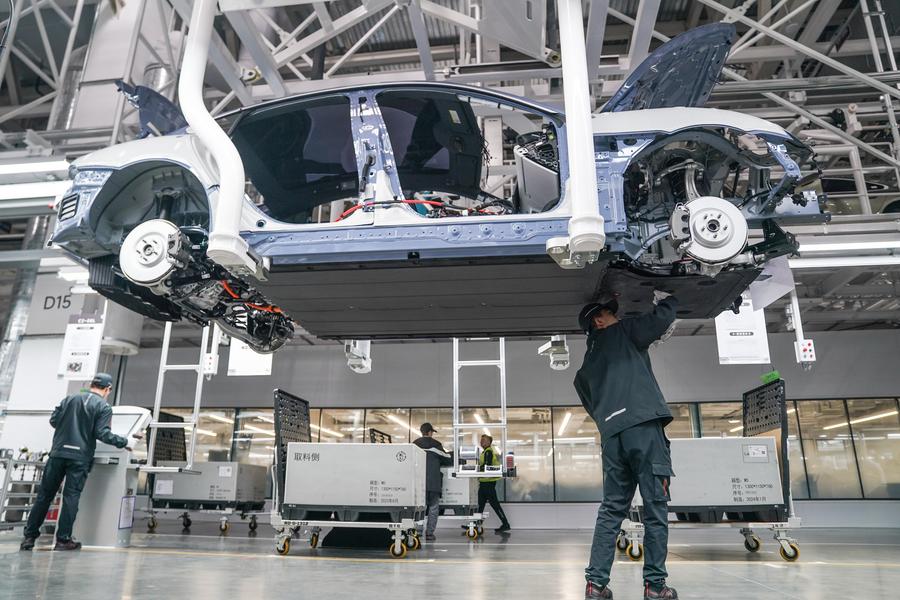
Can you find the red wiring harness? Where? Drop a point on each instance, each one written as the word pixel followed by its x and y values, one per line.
pixel 266 308
pixel 356 207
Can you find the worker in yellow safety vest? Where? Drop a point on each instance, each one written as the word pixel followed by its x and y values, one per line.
pixel 487 486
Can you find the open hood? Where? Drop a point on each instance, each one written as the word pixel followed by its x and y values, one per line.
pixel 681 72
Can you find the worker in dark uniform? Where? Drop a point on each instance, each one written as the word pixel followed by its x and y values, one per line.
pixel 617 388
pixel 79 420
pixel 487 486
pixel 436 458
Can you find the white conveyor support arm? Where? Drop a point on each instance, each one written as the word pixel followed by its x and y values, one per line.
pixel 586 235
pixel 226 247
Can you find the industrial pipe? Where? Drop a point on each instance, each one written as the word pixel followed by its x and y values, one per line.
pixel 226 247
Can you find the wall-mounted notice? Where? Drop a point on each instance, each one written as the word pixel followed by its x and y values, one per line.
pixel 244 361
pixel 742 338
pixel 81 347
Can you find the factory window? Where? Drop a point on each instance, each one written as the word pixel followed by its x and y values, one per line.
pixel 721 419
pixel 214 428
pixel 578 467
pixel 830 462
pixel 342 425
pixel 799 487
pixel 254 436
pixel 392 421
pixel 682 425
pixel 875 426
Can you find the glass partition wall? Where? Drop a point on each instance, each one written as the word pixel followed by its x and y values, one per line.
pixel 839 449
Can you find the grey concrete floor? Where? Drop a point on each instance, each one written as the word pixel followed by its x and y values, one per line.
pixel 202 565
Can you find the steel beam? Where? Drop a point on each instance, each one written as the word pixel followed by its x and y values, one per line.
pixel 249 34
pixel 340 25
pixel 17 259
pixel 420 32
pixel 643 32
pixel 791 43
pixel 596 27
pixel 348 54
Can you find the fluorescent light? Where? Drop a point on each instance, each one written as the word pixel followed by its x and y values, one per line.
pixel 220 419
pixel 400 422
pixel 265 419
pixel 575 440
pixel 206 432
pixel 791 410
pixel 328 431
pixel 82 289
pixel 843 261
pixel 734 429
pixel 849 246
pixel 565 423
pixel 883 415
pixel 733 421
pixel 51 190
pixel 258 455
pixel 35 166
pixel 259 429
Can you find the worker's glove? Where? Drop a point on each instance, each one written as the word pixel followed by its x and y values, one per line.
pixel 665 337
pixel 659 295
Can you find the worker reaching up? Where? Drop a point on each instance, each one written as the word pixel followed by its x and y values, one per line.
pixel 617 388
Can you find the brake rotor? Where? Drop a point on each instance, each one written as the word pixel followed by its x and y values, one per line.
pixel 147 254
pixel 713 230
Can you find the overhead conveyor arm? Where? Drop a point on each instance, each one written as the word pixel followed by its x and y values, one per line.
pixel 226 247
pixel 586 235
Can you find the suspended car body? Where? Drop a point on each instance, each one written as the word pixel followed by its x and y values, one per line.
pixel 431 209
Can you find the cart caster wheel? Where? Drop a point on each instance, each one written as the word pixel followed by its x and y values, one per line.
pixel 480 530
pixel 224 526
pixel 401 553
pixel 151 525
pixel 752 543
pixel 414 542
pixel 621 543
pixel 635 551
pixel 314 541
pixel 253 524
pixel 283 547
pixel 791 554
pixel 472 534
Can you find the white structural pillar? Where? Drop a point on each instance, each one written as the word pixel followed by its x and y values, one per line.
pixel 586 235
pixel 226 247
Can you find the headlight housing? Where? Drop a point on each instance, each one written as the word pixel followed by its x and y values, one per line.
pixel 91 177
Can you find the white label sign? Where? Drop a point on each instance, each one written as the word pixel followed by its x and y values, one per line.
pixel 164 487
pixel 225 471
pixel 243 361
pixel 81 347
pixel 742 338
pixel 126 512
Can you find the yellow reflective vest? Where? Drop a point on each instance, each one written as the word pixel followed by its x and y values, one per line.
pixel 494 457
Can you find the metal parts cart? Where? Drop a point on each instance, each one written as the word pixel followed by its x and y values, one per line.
pixel 753 503
pixel 21 479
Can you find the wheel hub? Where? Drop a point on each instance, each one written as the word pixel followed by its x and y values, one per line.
pixel 146 256
pixel 717 230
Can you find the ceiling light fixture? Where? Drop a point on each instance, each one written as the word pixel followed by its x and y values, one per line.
pixel 565 423
pixel 220 419
pixel 883 415
pixel 327 431
pixel 401 422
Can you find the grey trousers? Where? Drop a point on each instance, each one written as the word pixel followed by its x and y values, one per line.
pixel 433 500
pixel 638 456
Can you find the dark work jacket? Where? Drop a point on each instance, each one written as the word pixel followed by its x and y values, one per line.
pixel 437 457
pixel 616 383
pixel 80 420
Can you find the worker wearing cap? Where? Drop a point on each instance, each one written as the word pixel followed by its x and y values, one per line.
pixel 436 458
pixel 79 421
pixel 487 486
pixel 617 388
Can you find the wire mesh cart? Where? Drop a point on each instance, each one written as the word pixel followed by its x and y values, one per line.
pixel 21 474
pixel 738 482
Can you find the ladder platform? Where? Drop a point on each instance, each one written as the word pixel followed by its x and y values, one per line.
pixel 154 469
pixel 182 367
pixel 478 363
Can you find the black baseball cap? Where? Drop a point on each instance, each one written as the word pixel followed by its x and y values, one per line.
pixel 102 381
pixel 586 316
pixel 427 428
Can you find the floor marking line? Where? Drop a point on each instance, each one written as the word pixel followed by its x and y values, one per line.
pixel 760 584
